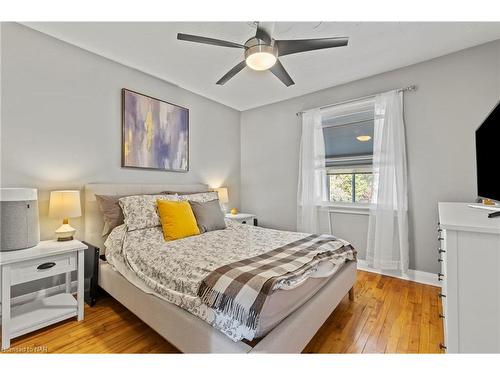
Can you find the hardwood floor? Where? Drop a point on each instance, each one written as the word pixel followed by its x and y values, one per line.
pixel 388 315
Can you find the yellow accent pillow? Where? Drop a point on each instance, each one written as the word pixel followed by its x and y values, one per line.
pixel 177 219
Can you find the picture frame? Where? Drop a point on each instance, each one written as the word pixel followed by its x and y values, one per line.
pixel 155 133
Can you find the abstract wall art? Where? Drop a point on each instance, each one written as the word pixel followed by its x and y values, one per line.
pixel 155 133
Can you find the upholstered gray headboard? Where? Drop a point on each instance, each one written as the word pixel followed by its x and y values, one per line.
pixel 93 217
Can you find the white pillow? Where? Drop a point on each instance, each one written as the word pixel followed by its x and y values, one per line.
pixel 200 197
pixel 140 211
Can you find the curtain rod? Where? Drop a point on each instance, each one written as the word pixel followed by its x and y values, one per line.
pixel 402 89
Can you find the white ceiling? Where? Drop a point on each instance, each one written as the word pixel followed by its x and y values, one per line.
pixel 373 48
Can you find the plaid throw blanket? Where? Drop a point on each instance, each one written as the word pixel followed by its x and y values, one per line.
pixel 240 289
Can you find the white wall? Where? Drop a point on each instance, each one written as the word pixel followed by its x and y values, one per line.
pixel 61 128
pixel 61 122
pixel 349 226
pixel 455 92
pixel 61 125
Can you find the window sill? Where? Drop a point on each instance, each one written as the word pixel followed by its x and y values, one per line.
pixel 354 208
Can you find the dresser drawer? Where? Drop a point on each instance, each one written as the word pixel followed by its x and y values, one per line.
pixel 43 267
pixel 442 260
pixel 441 237
pixel 443 273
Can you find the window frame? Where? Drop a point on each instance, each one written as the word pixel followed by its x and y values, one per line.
pixel 364 169
pixel 365 161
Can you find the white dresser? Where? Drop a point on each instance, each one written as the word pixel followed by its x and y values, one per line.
pixel 469 253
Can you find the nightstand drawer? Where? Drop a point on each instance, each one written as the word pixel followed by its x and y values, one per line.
pixel 44 267
pixel 243 218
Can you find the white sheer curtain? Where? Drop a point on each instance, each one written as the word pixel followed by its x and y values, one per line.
pixel 312 189
pixel 387 246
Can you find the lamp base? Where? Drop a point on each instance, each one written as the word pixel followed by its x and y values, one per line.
pixel 65 232
pixel 61 239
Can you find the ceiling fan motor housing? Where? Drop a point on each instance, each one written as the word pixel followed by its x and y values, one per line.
pixel 255 44
pixel 261 48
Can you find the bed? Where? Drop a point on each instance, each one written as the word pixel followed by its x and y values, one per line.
pixel 290 323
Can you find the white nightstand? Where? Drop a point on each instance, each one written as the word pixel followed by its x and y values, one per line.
pixel 243 218
pixel 48 258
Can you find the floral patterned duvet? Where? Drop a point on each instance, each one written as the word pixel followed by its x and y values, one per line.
pixel 174 270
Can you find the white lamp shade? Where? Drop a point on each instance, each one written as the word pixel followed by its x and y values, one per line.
pixel 65 204
pixel 223 195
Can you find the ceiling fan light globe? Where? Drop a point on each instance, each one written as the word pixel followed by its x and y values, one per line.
pixel 260 57
pixel 261 61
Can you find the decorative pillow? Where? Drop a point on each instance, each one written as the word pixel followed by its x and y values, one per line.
pixel 177 220
pixel 111 211
pixel 208 215
pixel 199 197
pixel 140 212
pixel 183 192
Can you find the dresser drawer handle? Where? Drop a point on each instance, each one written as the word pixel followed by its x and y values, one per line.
pixel 441 295
pixel 441 346
pixel 440 260
pixel 440 238
pixel 440 276
pixel 439 230
pixel 45 266
pixel 441 316
pixel 441 251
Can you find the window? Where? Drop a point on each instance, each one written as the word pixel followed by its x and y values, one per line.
pixel 348 135
pixel 354 187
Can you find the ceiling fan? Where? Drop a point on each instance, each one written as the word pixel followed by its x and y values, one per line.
pixel 262 52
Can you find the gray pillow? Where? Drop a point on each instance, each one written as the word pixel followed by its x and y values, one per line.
pixel 111 211
pixel 208 215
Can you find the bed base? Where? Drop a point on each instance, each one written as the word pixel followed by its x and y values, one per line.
pixel 193 335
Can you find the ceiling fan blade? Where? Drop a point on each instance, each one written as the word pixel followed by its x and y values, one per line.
pixel 204 40
pixel 287 47
pixel 262 34
pixel 232 73
pixel 279 71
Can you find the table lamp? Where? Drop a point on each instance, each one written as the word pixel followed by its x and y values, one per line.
pixel 223 197
pixel 63 205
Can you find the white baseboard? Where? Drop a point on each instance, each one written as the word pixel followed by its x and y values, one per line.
pixel 412 275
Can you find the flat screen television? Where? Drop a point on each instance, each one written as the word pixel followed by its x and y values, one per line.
pixel 488 156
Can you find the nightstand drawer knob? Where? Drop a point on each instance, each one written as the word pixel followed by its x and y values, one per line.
pixel 45 266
